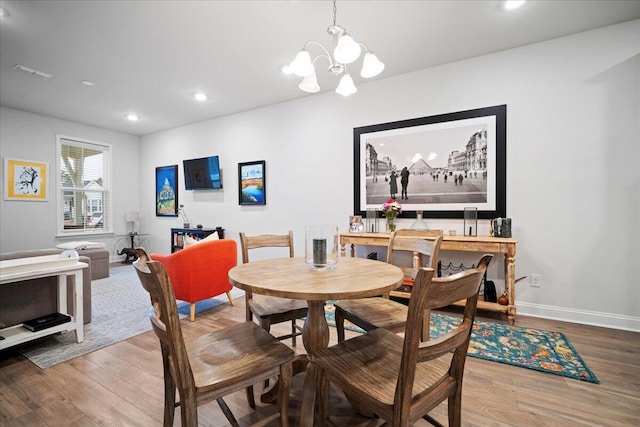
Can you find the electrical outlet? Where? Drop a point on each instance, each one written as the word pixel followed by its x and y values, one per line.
pixel 535 280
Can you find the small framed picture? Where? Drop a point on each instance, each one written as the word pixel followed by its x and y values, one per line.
pixel 252 183
pixel 356 224
pixel 167 190
pixel 26 180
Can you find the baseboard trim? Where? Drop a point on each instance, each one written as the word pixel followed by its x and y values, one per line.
pixel 586 317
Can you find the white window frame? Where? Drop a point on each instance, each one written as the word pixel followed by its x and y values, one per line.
pixel 106 185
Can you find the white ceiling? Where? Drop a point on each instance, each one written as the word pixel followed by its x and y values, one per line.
pixel 150 57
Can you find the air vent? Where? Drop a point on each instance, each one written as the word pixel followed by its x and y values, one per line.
pixel 31 72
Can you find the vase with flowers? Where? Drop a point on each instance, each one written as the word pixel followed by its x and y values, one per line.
pixel 391 209
pixel 185 219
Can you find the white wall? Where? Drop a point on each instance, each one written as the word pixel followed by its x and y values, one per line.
pixel 32 225
pixel 573 151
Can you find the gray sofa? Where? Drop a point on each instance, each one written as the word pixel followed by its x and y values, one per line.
pixel 29 299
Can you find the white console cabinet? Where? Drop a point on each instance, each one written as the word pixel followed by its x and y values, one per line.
pixel 14 271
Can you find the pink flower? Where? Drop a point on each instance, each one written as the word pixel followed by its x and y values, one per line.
pixel 391 208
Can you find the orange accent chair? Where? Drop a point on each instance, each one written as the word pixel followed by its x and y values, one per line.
pixel 201 271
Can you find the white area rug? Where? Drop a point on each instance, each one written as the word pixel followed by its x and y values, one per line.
pixel 120 306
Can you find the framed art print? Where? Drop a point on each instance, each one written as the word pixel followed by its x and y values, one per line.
pixel 252 186
pixel 438 164
pixel 26 180
pixel 167 190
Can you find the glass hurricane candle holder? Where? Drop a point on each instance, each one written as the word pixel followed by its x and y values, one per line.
pixel 471 222
pixel 321 246
pixel 372 221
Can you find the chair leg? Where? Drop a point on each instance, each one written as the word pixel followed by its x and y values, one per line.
pixel 339 324
pixel 189 408
pixel 169 394
pixel 227 412
pixel 247 310
pixel 293 332
pixel 250 397
pixel 428 418
pixel 284 391
pixel 265 323
pixel 192 312
pixel 455 407
pixel 230 297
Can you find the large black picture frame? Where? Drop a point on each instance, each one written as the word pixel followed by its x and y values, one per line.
pixel 469 144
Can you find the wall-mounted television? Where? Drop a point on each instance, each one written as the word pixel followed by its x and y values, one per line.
pixel 202 174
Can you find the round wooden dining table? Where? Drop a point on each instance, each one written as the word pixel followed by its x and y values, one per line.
pixel 293 278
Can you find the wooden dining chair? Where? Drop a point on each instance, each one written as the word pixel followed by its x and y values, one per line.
pixel 212 365
pixel 400 378
pixel 420 249
pixel 271 310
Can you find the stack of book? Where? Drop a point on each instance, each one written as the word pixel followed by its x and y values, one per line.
pixel 48 321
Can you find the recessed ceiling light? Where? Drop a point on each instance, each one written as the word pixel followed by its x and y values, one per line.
pixel 513 4
pixel 132 117
pixel 200 97
pixel 4 12
pixel 88 83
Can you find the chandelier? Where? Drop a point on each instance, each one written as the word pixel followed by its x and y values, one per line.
pixel 345 51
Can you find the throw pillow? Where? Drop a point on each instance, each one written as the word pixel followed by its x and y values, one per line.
pixel 190 241
pixel 79 245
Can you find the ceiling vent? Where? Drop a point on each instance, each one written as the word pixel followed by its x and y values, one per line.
pixel 31 72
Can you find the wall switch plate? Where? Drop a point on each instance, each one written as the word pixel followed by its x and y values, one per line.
pixel 535 280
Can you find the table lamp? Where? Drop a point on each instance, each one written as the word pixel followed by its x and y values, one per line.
pixel 134 218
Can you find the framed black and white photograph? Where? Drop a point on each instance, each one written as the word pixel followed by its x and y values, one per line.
pixel 437 164
pixel 252 185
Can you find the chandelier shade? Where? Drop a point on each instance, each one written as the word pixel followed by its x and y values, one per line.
pixel 346 86
pixel 371 66
pixel 346 50
pixel 302 65
pixel 310 84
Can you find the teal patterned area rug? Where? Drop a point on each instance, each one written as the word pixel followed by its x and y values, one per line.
pixel 530 348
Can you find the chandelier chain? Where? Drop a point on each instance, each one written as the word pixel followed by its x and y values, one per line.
pixel 335 12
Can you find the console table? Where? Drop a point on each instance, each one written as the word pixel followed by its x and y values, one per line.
pixel 484 244
pixel 15 335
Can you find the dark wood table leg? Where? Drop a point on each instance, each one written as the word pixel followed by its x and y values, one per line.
pixel 315 335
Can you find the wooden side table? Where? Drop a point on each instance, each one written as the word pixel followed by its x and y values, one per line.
pixel 484 244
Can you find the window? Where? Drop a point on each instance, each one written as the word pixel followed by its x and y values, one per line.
pixel 84 187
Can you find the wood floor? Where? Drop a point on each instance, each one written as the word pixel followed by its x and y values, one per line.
pixel 121 385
